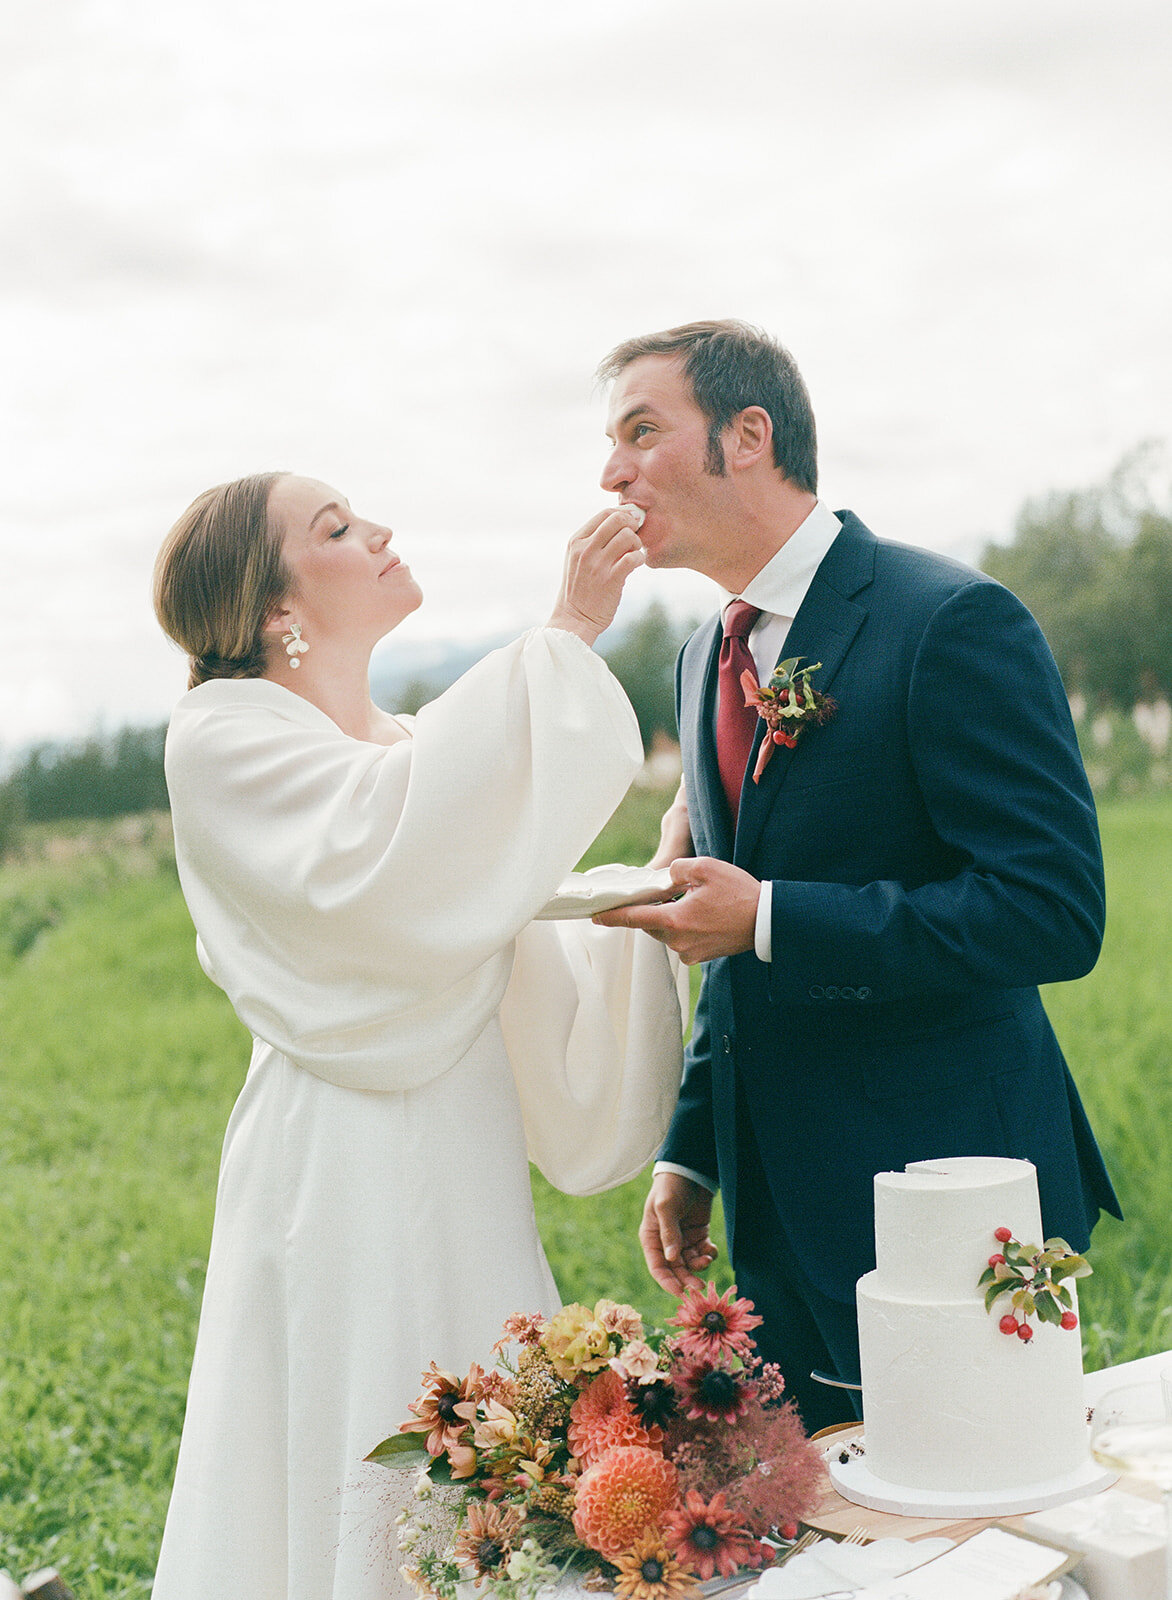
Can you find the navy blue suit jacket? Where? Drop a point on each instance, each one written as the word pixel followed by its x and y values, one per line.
pixel 935 857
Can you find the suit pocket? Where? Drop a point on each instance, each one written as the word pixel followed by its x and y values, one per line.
pixel 946 1059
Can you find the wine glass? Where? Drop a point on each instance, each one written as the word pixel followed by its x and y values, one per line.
pixel 1131 1431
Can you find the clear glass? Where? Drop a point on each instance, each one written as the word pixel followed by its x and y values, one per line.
pixel 1131 1431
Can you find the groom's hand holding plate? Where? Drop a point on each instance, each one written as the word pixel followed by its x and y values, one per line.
pixel 715 913
pixel 584 894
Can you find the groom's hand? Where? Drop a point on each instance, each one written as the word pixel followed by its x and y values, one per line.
pixel 715 916
pixel 674 1232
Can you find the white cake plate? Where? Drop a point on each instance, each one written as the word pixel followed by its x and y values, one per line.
pixel 856 1482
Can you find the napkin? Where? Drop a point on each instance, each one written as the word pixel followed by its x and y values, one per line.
pixel 1122 1537
pixel 827 1566
pixel 584 894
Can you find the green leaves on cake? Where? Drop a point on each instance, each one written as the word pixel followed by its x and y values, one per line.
pixel 1033 1280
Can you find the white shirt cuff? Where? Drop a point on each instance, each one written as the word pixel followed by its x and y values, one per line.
pixel 763 931
pixel 686 1172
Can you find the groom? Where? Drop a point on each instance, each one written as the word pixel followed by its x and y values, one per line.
pixel 877 907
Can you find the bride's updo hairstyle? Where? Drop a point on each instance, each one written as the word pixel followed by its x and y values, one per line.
pixel 219 576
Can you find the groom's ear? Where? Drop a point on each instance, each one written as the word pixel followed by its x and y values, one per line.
pixel 748 439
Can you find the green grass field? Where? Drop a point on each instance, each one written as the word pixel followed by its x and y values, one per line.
pixel 119 1064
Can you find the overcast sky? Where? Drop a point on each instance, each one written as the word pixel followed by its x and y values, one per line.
pixel 386 243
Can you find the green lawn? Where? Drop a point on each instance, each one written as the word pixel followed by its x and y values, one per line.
pixel 119 1064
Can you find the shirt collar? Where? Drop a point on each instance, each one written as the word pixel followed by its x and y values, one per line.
pixel 781 585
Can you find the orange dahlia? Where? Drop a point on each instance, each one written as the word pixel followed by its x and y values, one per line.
pixel 621 1496
pixel 651 1572
pixel 706 1536
pixel 602 1417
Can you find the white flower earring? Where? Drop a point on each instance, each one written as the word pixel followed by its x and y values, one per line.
pixel 295 645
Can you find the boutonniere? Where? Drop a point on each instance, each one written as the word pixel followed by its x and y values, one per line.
pixel 788 703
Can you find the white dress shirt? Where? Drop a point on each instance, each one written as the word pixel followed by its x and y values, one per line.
pixel 777 591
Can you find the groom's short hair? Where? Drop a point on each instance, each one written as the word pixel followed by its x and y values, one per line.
pixel 731 365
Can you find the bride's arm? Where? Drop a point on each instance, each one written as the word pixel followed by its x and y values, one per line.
pixel 675 832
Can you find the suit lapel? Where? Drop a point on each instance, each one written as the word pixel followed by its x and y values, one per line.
pixel 823 630
pixel 698 706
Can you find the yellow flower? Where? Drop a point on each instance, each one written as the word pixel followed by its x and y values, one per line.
pixel 576 1342
pixel 651 1572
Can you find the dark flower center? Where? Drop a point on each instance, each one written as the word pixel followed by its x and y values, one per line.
pixel 655 1402
pixel 715 1322
pixel 705 1537
pixel 489 1554
pixel 446 1406
pixel 651 1571
pixel 718 1388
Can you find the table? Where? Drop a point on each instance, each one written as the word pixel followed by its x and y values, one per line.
pixel 838 1517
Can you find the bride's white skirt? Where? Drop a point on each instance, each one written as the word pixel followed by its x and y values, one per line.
pixel 358 1236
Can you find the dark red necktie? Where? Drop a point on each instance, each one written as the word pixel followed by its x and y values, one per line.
pixel 736 723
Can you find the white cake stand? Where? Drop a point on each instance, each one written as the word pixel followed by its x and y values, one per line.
pixel 856 1482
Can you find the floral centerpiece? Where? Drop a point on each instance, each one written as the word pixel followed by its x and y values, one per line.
pixel 644 1460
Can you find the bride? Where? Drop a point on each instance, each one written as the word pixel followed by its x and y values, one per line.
pixel 362 889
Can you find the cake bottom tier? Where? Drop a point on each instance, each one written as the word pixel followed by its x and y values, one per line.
pixel 952 1403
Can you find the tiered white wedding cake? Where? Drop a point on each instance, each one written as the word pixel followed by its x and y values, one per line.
pixel 961 1417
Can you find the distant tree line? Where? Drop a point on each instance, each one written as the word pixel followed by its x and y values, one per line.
pixel 1095 568
pixel 100 777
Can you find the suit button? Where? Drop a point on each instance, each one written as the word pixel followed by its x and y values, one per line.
pixel 864 994
pixel 831 992
pixel 848 994
pixel 726 1044
pixel 817 992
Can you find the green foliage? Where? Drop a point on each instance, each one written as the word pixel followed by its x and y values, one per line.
pixel 1119 762
pixel 1095 568
pixel 97 778
pixel 11 818
pixel 644 663
pixel 120 1065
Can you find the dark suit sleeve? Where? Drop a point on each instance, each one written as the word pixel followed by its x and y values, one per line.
pixel 996 761
pixel 691 1139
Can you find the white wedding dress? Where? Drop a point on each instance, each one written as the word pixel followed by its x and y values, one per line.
pixel 364 908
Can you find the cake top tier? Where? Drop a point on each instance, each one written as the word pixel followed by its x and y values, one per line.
pixel 934 1223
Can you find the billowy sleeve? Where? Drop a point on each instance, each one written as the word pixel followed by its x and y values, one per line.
pixel 593 1022
pixel 358 902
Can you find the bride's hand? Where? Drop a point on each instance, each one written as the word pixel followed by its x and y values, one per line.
pixel 599 559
